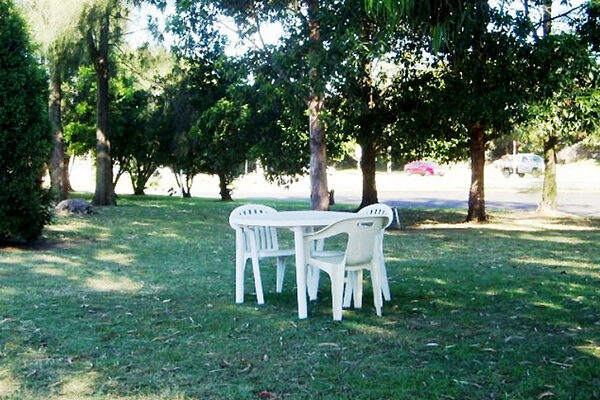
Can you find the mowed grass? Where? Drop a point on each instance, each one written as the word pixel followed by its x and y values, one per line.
pixel 137 302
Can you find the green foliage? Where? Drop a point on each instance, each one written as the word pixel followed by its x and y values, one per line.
pixel 54 27
pixel 140 137
pixel 564 98
pixel 358 97
pixel 280 73
pixel 425 123
pixel 281 138
pixel 189 90
pixel 79 112
pixel 136 142
pixel 25 140
pixel 224 140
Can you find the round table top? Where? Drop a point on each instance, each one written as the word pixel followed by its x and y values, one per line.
pixel 289 219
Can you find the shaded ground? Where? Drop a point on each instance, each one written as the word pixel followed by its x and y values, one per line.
pixel 137 302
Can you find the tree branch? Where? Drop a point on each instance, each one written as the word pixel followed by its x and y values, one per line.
pixel 566 13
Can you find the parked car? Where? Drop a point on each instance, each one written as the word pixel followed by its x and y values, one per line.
pixel 521 164
pixel 423 168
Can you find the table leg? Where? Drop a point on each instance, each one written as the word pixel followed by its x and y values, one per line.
pixel 300 272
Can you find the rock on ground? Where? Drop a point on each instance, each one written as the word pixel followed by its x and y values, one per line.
pixel 79 206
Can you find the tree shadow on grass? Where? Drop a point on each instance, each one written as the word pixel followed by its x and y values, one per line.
pixel 149 312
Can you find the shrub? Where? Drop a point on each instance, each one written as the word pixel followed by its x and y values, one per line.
pixel 25 138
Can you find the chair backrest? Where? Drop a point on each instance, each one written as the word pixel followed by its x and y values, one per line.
pixel 266 237
pixel 379 209
pixel 362 236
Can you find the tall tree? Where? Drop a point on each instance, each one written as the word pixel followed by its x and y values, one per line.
pixel 96 26
pixel 481 50
pixel 319 192
pixel 563 71
pixel 304 20
pixel 358 105
pixel 549 190
pixel 53 24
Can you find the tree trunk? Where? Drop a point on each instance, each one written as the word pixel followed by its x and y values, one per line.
pixel 66 178
pixel 118 176
pixel 368 169
pixel 369 130
pixel 139 180
pixel 105 193
pixel 476 211
pixel 139 184
pixel 184 182
pixel 224 191
pixel 547 17
pixel 58 170
pixel 319 193
pixel 549 190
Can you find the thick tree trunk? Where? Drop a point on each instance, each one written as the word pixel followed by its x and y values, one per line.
pixel 547 17
pixel 319 193
pixel 549 190
pixel 139 180
pixel 104 194
pixel 184 182
pixel 58 170
pixel 368 169
pixel 66 178
pixel 476 211
pixel 224 191
pixel 369 129
pixel 139 184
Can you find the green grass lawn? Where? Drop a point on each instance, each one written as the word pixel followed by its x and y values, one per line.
pixel 137 302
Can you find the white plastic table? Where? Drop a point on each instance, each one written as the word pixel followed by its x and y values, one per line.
pixel 296 221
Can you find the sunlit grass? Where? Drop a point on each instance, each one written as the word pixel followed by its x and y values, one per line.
pixel 109 282
pixel 137 302
pixel 8 383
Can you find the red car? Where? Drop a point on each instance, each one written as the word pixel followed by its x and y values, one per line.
pixel 423 168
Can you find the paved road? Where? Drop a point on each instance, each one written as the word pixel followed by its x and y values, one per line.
pixel 585 203
pixel 579 189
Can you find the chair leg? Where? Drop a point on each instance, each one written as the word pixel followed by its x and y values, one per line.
pixel 348 289
pixel 375 279
pixel 312 280
pixel 256 269
pixel 314 274
pixel 337 291
pixel 357 291
pixel 257 281
pixel 240 266
pixel 385 286
pixel 280 273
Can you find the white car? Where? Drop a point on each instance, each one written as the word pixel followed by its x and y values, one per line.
pixel 521 164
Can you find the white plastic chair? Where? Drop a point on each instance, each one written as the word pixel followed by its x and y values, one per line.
pixel 360 253
pixel 380 210
pixel 256 243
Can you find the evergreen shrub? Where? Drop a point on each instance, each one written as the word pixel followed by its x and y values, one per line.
pixel 25 138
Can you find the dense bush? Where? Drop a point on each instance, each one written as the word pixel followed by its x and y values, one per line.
pixel 25 140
